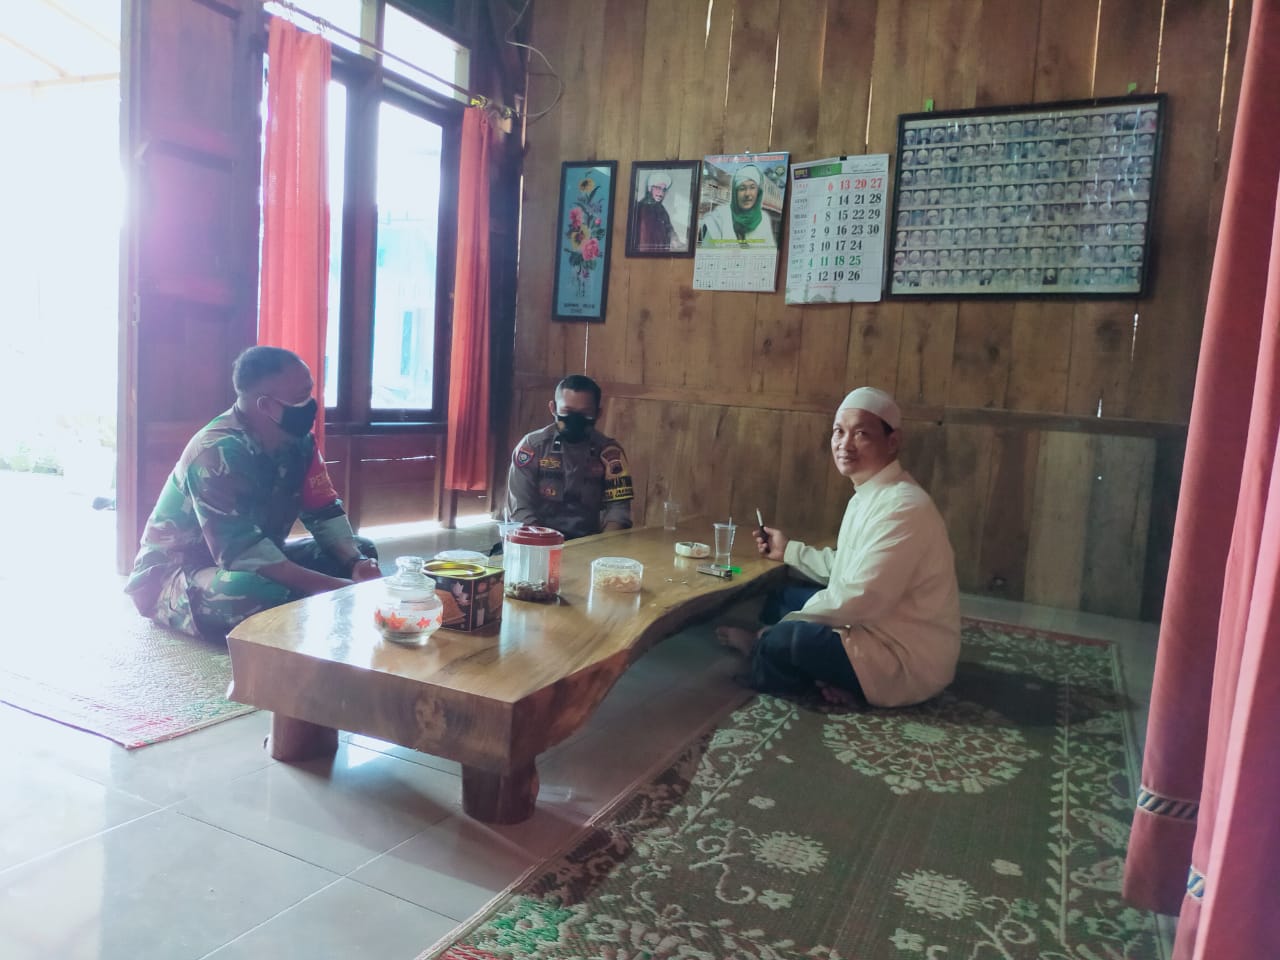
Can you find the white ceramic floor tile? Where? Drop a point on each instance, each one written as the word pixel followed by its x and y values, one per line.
pixel 458 865
pixel 335 815
pixel 1008 611
pixel 43 807
pixel 1052 618
pixel 622 700
pixel 161 773
pixel 405 753
pixel 587 775
pixel 341 922
pixel 680 657
pixel 165 773
pixel 163 887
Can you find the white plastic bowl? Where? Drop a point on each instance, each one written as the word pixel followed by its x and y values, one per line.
pixel 619 574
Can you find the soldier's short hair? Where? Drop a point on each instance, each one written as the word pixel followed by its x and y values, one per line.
pixel 257 364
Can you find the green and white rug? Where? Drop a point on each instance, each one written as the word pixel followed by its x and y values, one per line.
pixel 989 823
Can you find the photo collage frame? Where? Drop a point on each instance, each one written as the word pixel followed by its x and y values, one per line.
pixel 1050 200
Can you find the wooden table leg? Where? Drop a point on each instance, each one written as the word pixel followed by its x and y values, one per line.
pixel 497 797
pixel 293 740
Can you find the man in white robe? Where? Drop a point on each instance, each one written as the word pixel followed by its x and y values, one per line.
pixel 883 626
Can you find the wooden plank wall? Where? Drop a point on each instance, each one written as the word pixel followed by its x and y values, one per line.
pixel 1049 433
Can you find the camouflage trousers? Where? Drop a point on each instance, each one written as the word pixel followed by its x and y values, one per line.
pixel 210 601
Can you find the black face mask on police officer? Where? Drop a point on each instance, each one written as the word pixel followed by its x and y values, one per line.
pixel 297 419
pixel 574 426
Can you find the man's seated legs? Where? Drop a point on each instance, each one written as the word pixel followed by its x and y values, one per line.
pixel 211 601
pixel 220 599
pixel 795 658
pixel 307 553
pixel 788 598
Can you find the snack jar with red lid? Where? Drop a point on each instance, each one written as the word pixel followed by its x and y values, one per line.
pixel 531 557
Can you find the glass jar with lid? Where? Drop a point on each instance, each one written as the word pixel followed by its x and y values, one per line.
pixel 409 611
pixel 531 557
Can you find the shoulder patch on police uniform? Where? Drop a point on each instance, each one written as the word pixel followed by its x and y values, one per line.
pixel 523 456
pixel 614 460
pixel 617 477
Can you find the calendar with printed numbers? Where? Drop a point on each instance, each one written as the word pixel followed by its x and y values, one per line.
pixel 836 251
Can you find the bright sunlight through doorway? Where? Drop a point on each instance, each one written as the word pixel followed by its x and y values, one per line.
pixel 62 194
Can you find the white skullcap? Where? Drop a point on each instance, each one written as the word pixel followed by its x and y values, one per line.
pixel 874 401
pixel 658 177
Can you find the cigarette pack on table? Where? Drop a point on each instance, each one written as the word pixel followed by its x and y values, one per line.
pixel 471 593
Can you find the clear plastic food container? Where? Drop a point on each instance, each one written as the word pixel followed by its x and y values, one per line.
pixel 532 561
pixel 619 574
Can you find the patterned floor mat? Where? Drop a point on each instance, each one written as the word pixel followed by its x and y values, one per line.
pixel 988 823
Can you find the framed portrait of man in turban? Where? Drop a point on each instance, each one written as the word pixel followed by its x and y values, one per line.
pixel 660 211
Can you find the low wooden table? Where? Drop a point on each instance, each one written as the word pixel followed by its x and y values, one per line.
pixel 491 700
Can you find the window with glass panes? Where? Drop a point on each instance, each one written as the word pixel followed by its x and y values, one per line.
pixel 392 135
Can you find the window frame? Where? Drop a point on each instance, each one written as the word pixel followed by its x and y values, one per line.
pixel 368 84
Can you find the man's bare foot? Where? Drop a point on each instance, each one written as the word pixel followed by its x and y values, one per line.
pixel 837 696
pixel 739 639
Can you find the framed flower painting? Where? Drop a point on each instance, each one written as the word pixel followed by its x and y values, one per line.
pixel 583 232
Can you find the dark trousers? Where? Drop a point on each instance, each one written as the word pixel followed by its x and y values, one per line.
pixel 788 598
pixel 794 655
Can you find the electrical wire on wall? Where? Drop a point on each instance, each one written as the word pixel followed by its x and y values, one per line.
pixel 530 117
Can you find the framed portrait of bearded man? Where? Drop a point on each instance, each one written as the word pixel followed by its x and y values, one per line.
pixel 660 209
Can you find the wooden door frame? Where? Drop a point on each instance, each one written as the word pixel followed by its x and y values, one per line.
pixel 150 424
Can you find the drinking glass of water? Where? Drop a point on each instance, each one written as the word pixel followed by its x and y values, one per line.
pixel 724 542
pixel 670 514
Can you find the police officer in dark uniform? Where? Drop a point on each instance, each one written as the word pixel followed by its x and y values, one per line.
pixel 569 476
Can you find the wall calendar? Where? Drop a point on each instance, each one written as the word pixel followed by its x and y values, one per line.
pixel 836 250
pixel 740 202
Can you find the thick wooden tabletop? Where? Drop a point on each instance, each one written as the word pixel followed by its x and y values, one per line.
pixel 494 697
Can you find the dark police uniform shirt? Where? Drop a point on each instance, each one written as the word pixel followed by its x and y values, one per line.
pixel 575 488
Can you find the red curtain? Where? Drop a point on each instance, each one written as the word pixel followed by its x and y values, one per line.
pixel 467 455
pixel 1206 835
pixel 294 286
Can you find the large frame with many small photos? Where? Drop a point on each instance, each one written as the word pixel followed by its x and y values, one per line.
pixel 1052 199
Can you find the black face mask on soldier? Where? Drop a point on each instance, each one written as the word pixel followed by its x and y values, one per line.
pixel 574 426
pixel 297 419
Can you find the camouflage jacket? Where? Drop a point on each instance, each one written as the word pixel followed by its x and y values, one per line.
pixel 230 503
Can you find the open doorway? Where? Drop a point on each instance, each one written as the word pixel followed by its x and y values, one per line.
pixel 63 197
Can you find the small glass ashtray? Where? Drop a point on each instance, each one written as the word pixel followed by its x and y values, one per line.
pixel 619 574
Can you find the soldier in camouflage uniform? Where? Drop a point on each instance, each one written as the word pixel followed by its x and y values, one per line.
pixel 569 476
pixel 214 549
